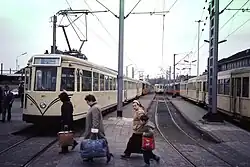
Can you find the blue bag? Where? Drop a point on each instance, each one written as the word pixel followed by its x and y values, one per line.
pixel 94 148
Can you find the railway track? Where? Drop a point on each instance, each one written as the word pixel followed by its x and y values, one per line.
pixel 24 152
pixel 27 150
pixel 184 139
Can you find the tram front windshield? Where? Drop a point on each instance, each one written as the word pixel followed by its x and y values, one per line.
pixel 45 79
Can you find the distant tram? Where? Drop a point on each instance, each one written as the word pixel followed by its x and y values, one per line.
pixel 159 88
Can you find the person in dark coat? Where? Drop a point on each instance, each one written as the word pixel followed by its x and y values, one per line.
pixel 21 93
pixel 8 99
pixel 66 117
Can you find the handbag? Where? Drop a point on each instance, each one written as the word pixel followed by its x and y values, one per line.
pixel 148 143
pixel 65 137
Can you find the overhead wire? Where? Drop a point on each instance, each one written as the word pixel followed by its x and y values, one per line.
pixel 106 8
pixel 101 23
pixel 201 33
pixel 203 10
pixel 114 40
pixel 237 28
pixel 133 8
pixel 233 15
pixel 172 5
pixel 226 6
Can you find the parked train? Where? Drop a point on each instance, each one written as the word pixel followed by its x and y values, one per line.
pixel 46 76
pixel 170 88
pixel 159 88
pixel 232 92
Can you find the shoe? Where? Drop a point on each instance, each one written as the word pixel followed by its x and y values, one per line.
pixel 146 165
pixel 63 152
pixel 157 159
pixel 125 156
pixel 74 145
pixel 109 157
pixel 89 160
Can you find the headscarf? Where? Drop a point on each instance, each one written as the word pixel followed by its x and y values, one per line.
pixel 139 104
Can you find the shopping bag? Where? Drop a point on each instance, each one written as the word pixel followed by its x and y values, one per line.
pixel 148 143
pixel 65 137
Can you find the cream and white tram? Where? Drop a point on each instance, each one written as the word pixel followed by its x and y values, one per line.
pixel 232 92
pixel 46 76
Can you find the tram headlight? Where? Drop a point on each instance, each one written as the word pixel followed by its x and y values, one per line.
pixel 43 105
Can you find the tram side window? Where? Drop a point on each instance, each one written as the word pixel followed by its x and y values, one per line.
pixel 106 83
pixel 220 86
pixel 238 86
pixel 226 86
pixel 45 79
pixel 86 80
pixel 28 79
pixel 78 80
pixel 110 83
pixel 68 79
pixel 114 84
pixel 245 91
pixel 101 82
pixel 95 81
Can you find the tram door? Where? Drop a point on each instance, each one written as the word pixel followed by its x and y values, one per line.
pixel 235 95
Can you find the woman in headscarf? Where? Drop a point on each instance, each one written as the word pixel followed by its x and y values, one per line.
pixel 135 141
pixel 66 117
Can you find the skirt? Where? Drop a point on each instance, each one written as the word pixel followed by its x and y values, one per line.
pixel 134 144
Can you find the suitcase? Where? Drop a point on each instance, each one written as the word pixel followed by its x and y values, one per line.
pixel 65 138
pixel 148 143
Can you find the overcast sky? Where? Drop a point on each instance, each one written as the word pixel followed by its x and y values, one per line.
pixel 25 27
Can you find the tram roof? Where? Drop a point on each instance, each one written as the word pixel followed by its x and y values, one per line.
pixel 76 60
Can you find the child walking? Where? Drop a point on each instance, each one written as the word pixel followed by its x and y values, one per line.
pixel 147 130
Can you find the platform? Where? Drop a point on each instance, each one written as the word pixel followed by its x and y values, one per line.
pixel 227 133
pixel 118 132
pixel 16 122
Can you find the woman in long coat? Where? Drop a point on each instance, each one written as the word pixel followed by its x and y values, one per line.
pixel 135 141
pixel 66 117
pixel 94 120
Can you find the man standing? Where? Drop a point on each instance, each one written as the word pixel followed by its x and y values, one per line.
pixel 21 93
pixel 8 99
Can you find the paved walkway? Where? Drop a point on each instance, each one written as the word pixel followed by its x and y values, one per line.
pixel 118 132
pixel 228 134
pixel 16 122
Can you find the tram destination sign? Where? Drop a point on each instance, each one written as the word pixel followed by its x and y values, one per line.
pixel 47 61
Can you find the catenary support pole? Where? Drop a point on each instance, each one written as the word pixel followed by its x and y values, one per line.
pixel 54 34
pixel 120 60
pixel 213 115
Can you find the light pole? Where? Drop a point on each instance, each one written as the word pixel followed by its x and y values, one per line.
pixel 198 51
pixel 17 59
pixel 190 65
pixel 127 69
pixel 120 52
pixel 174 64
